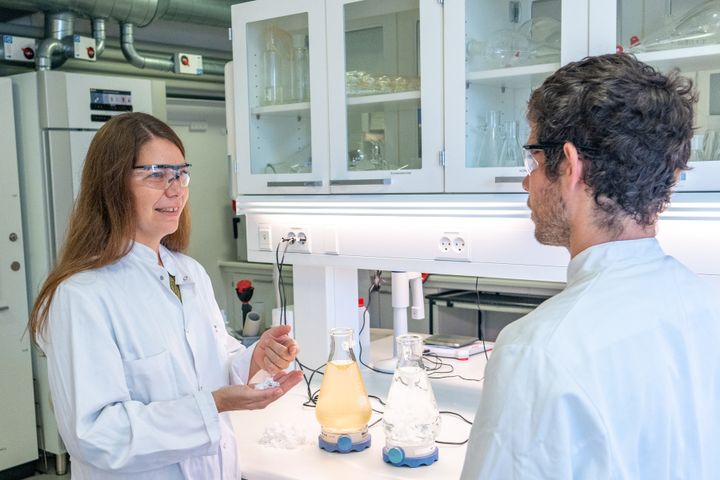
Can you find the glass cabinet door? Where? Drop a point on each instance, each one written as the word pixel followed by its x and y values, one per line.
pixel 280 97
pixel 385 84
pixel 495 54
pixel 683 34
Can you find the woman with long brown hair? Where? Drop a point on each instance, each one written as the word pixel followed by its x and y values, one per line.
pixel 140 365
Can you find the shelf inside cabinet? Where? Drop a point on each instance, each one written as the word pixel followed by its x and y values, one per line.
pixel 281 109
pixel 384 98
pixel 690 59
pixel 514 77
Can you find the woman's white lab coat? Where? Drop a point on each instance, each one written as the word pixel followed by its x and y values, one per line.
pixel 131 371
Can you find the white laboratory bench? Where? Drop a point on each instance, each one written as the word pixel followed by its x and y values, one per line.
pixel 308 461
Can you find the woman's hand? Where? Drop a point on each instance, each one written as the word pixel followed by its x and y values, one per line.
pixel 245 397
pixel 274 352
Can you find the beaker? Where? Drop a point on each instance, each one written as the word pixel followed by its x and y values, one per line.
pixel 343 407
pixel 411 421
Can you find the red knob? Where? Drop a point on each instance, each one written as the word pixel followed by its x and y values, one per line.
pixel 29 53
pixel 185 60
pixel 634 40
pixel 619 48
pixel 91 52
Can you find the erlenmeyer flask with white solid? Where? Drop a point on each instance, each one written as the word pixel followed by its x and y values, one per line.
pixel 411 421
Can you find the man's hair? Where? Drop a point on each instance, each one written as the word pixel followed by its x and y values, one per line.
pixel 632 127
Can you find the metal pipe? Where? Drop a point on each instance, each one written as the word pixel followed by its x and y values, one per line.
pixel 203 12
pixel 218 56
pixel 137 12
pixel 213 67
pixel 98 33
pixel 137 60
pixel 58 26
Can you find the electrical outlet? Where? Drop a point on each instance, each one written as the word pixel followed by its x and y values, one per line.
pixel 458 245
pixel 445 244
pixel 453 246
pixel 302 240
pixel 264 237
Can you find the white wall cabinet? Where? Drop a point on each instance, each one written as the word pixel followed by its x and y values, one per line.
pixel 370 127
pixel 281 141
pixel 495 54
pixel 371 121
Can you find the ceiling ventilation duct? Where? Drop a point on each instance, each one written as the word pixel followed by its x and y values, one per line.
pixel 129 13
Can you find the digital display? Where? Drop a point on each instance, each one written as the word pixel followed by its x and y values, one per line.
pixel 111 100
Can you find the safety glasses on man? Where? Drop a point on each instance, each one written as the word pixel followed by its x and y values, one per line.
pixel 530 150
pixel 161 176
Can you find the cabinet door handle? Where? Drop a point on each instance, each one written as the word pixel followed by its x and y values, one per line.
pixel 509 179
pixel 363 181
pixel 300 183
pixel 4 307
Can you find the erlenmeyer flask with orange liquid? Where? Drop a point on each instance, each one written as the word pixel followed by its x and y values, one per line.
pixel 343 408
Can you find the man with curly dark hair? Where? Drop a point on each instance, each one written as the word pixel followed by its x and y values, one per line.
pixel 617 376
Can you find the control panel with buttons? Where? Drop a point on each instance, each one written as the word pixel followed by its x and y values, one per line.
pixel 188 63
pixel 19 49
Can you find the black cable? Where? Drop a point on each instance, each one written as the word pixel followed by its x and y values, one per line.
pixel 455 414
pixel 482 329
pixel 373 288
pixel 436 365
pixel 280 263
pixel 382 402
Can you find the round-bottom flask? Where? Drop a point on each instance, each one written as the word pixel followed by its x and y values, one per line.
pixel 343 408
pixel 411 421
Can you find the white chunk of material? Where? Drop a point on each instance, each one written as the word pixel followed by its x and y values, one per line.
pixel 284 436
pixel 267 383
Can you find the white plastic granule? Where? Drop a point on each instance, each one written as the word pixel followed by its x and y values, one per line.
pixel 284 436
pixel 267 383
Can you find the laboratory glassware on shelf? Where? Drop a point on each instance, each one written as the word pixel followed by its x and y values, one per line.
pixel 510 153
pixel 699 26
pixel 411 421
pixel 489 142
pixel 343 408
pixel 535 41
pixel 543 34
pixel 275 59
pixel 299 75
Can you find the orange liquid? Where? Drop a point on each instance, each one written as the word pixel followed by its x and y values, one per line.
pixel 343 405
